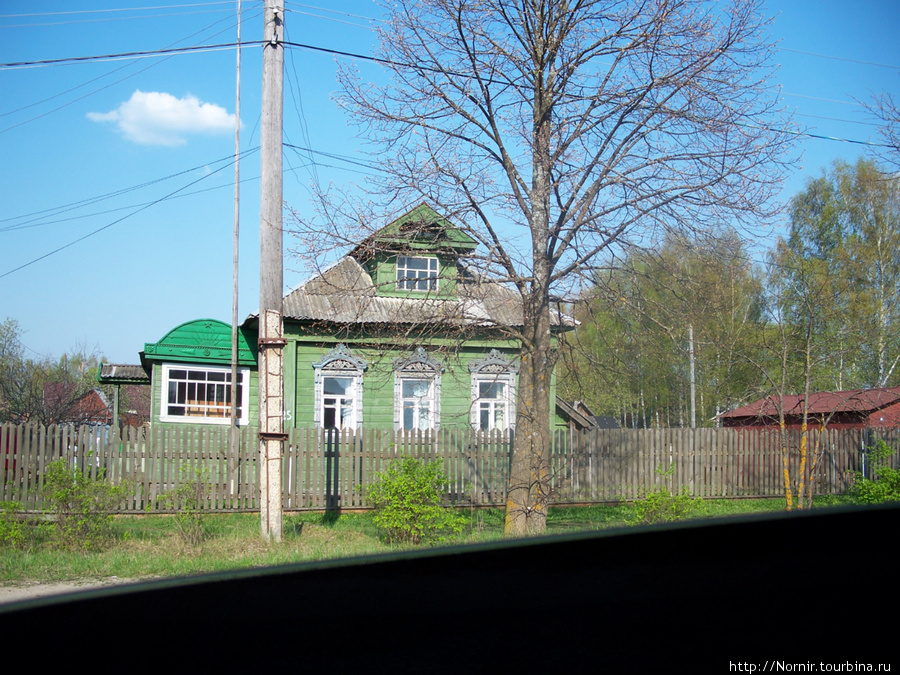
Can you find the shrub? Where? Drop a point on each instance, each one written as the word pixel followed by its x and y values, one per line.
pixel 884 486
pixel 406 497
pixel 187 501
pixel 82 506
pixel 12 530
pixel 661 506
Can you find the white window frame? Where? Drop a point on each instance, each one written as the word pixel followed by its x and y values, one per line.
pixel 339 402
pixel 419 366
pixel 507 400
pixel 494 369
pixel 243 406
pixel 340 362
pixel 419 280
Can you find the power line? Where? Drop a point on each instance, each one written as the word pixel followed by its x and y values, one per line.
pixel 116 18
pixel 112 10
pixel 126 55
pixel 100 77
pixel 839 58
pixel 341 158
pixel 119 220
pixel 117 193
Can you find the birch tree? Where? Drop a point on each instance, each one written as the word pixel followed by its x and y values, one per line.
pixel 845 237
pixel 561 132
pixel 642 323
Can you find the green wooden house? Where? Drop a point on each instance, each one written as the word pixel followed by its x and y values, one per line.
pixel 399 333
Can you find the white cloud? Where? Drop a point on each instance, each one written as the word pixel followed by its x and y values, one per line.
pixel 158 118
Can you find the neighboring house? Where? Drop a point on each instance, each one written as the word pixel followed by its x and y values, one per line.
pixel 64 406
pixel 855 409
pixel 399 333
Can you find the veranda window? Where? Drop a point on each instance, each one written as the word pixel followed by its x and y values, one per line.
pixel 198 394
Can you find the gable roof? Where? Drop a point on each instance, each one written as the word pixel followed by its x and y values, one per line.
pixel 89 408
pixel 421 228
pixel 346 293
pixel 860 401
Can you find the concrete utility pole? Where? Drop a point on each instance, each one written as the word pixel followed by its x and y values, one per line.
pixel 693 380
pixel 233 437
pixel 271 276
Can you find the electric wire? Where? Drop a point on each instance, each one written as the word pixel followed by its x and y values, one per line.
pixel 99 89
pixel 115 222
pixel 126 55
pixel 113 10
pixel 64 208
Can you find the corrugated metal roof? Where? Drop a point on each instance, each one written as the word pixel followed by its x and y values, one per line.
pixel 111 373
pixel 822 402
pixel 346 293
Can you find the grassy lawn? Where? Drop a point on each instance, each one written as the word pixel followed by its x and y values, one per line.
pixel 149 546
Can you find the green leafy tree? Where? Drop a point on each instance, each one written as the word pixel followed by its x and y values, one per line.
pixel 643 323
pixel 837 276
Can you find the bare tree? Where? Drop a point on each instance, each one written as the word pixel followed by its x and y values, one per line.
pixel 42 389
pixel 558 132
pixel 885 109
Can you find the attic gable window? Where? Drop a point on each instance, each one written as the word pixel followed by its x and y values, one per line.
pixel 415 273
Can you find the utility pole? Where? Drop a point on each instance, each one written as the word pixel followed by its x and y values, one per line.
pixel 693 381
pixel 271 276
pixel 233 437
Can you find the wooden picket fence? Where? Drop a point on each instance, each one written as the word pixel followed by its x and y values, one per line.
pixel 328 470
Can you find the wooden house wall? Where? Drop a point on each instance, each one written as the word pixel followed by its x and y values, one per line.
pixel 378 381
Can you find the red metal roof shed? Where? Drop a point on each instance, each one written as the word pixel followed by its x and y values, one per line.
pixel 852 409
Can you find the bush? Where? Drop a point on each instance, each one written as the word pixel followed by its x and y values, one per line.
pixel 407 501
pixel 82 506
pixel 885 483
pixel 661 506
pixel 12 530
pixel 187 501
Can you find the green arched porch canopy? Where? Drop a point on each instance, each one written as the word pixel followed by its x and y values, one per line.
pixel 203 341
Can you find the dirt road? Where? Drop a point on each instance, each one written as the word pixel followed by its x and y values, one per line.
pixel 27 591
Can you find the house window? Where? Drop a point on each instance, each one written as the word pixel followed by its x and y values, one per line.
pixel 493 392
pixel 202 394
pixel 493 405
pixel 338 402
pixel 417 402
pixel 417 273
pixel 417 392
pixel 338 390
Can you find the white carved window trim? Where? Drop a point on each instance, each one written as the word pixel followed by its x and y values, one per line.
pixel 417 279
pixel 339 362
pixel 419 366
pixel 215 407
pixel 493 368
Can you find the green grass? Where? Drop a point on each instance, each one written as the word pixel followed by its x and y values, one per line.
pixel 148 546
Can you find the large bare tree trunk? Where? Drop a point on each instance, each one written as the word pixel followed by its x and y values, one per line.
pixel 529 485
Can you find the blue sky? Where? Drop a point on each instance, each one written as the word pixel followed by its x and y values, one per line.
pixel 125 163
